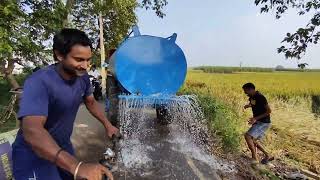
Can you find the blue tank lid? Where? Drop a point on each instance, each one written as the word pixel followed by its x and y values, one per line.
pixel 149 65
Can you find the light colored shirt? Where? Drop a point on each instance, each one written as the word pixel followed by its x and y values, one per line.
pixel 94 73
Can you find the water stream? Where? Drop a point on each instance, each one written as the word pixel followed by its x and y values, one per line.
pixel 178 149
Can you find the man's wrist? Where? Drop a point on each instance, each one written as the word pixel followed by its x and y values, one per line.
pixel 67 162
pixel 73 166
pixel 107 124
pixel 57 155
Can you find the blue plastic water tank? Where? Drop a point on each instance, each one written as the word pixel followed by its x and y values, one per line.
pixel 149 65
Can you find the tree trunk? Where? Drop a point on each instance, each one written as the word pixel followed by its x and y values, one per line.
pixel 7 71
pixel 13 82
pixel 102 54
pixel 69 6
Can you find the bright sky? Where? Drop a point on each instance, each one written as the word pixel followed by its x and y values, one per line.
pixel 225 33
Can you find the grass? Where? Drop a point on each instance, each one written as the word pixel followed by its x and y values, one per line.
pixel 269 174
pixel 287 86
pixel 221 120
pixel 9 125
pixel 223 69
pixel 293 96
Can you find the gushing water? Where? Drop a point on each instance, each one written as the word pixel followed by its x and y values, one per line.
pixel 147 143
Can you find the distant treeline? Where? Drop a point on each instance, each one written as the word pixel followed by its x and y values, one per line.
pixel 223 69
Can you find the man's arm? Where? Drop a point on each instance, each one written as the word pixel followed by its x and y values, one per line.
pixel 43 144
pixel 97 111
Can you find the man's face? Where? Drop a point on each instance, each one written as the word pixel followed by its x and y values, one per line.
pixel 249 92
pixel 77 60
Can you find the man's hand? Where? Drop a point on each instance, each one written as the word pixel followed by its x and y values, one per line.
pixel 247 106
pixel 252 120
pixel 97 111
pixel 90 171
pixel 111 130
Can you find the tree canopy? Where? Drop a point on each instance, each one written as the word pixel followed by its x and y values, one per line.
pixel 296 43
pixel 28 26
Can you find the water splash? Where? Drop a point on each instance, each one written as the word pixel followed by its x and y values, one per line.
pixel 135 153
pixel 144 139
pixel 187 147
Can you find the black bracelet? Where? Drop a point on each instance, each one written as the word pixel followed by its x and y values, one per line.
pixel 56 156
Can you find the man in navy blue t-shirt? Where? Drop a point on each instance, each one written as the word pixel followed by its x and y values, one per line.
pixel 48 107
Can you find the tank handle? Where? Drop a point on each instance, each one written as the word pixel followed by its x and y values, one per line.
pixel 172 38
pixel 135 30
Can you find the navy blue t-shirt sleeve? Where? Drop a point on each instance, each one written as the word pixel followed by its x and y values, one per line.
pixel 88 89
pixel 35 99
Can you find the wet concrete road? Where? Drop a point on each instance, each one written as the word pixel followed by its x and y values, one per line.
pixel 89 138
pixel 161 153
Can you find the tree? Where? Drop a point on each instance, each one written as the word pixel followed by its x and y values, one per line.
pixel 24 32
pixel 118 15
pixel 156 5
pixel 27 26
pixel 118 18
pixel 296 43
pixel 302 66
pixel 279 68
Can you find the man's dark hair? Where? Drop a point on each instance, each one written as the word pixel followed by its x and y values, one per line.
pixel 248 86
pixel 64 40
